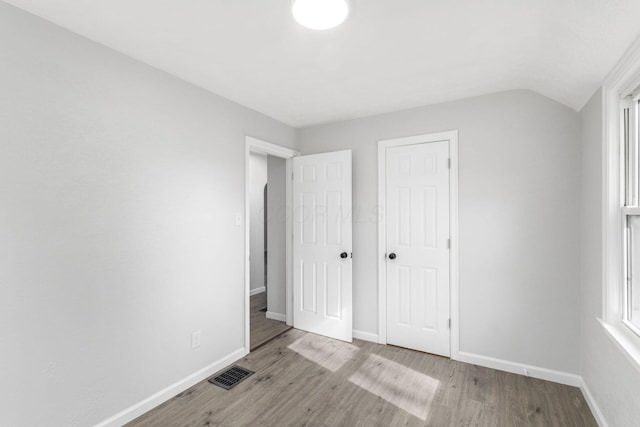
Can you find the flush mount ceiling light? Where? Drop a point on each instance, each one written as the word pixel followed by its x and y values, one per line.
pixel 320 14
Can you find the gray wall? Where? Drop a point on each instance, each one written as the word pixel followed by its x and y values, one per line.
pixel 276 231
pixel 257 181
pixel 119 186
pixel 519 194
pixel 611 378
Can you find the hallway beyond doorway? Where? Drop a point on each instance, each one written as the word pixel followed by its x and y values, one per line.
pixel 263 329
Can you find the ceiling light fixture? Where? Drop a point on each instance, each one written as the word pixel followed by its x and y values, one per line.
pixel 320 14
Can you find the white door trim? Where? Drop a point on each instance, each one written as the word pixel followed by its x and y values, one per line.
pixel 254 145
pixel 452 137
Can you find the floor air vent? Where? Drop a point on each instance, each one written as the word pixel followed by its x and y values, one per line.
pixel 231 377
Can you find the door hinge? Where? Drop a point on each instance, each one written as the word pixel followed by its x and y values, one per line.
pixel 448 243
pixel 449 163
pixel 449 323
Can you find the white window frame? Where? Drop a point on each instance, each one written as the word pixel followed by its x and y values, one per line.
pixel 631 206
pixel 621 81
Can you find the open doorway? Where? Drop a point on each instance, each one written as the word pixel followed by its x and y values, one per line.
pixel 268 228
pixel 267 258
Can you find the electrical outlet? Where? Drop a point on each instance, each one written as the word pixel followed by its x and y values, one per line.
pixel 195 339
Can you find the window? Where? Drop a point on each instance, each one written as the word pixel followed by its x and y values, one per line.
pixel 621 204
pixel 631 213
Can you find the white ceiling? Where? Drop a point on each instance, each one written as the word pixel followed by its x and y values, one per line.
pixel 389 54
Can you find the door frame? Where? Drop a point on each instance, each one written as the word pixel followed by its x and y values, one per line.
pixel 452 137
pixel 255 145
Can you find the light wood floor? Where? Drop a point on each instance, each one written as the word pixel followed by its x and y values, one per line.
pixel 262 329
pixel 303 379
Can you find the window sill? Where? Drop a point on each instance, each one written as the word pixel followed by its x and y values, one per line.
pixel 625 340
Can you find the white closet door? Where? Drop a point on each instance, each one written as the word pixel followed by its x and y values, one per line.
pixel 417 215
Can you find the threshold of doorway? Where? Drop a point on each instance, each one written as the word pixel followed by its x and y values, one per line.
pixel 261 343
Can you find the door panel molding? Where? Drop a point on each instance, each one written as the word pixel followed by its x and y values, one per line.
pixel 452 138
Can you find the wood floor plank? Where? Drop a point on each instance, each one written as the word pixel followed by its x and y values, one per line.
pixel 303 379
pixel 262 329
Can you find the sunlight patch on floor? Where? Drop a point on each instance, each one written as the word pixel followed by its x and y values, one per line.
pixel 403 387
pixel 326 352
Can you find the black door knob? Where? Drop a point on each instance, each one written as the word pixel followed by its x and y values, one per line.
pixel 343 255
pixel 392 255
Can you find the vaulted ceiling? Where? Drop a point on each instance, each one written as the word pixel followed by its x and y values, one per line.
pixel 388 55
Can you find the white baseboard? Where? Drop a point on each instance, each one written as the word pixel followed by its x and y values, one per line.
pixel 365 336
pixel 276 316
pixel 257 291
pixel 162 396
pixel 522 369
pixel 595 409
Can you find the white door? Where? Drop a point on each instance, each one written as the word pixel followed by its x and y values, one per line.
pixel 417 207
pixel 322 244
